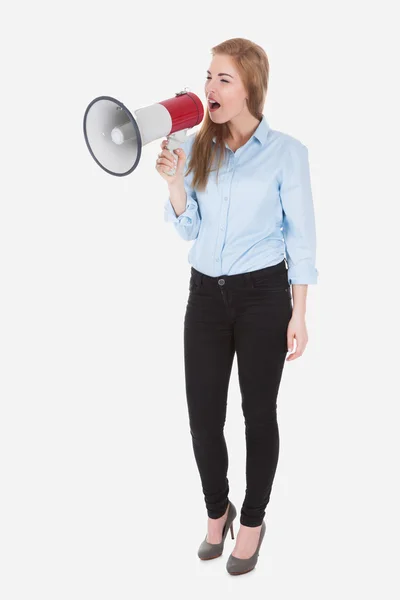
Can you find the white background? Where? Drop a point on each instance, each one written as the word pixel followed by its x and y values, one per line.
pixel 100 495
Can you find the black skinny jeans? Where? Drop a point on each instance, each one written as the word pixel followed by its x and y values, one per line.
pixel 247 313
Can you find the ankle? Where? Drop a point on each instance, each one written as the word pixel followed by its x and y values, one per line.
pixel 219 519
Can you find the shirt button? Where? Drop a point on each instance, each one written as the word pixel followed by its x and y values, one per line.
pixel 226 198
pixel 222 228
pixel 217 259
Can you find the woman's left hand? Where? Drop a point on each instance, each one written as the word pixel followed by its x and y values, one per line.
pixel 296 329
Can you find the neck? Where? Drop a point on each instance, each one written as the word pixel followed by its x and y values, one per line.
pixel 242 127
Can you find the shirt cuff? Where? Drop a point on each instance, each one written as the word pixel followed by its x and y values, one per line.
pixel 186 218
pixel 302 274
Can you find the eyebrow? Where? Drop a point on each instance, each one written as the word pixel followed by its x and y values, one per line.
pixel 221 74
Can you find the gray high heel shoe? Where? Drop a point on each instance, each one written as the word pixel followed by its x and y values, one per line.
pixel 206 550
pixel 238 566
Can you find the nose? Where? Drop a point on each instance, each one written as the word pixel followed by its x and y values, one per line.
pixel 209 91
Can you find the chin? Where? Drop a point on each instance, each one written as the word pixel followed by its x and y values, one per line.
pixel 214 116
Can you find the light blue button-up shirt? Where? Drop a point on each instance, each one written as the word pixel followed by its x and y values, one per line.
pixel 260 212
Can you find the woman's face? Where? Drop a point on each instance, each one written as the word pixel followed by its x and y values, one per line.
pixel 224 85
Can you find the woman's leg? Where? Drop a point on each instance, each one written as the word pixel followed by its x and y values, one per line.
pixel 261 347
pixel 208 352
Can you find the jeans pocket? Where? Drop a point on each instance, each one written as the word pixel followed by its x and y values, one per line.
pixel 272 283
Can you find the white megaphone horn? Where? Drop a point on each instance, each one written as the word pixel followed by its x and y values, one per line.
pixel 115 136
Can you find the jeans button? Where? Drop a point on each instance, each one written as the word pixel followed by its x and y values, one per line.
pixel 221 281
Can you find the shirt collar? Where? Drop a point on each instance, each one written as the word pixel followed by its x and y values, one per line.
pixel 261 132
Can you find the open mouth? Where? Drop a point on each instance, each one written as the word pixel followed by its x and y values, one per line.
pixel 213 106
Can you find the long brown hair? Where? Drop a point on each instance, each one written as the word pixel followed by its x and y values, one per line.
pixel 252 64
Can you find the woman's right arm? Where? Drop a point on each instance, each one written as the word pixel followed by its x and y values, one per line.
pixel 181 207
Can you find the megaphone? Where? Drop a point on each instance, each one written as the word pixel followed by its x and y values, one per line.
pixel 115 136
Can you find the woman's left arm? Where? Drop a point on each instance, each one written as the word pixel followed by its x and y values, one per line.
pixel 299 234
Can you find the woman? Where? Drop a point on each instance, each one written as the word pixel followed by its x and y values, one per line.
pixel 245 215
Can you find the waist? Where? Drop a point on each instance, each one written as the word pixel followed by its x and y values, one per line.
pixel 239 279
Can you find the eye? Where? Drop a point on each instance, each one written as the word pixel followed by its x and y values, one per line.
pixel 224 80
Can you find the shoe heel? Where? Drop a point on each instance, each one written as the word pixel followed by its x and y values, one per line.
pixel 233 537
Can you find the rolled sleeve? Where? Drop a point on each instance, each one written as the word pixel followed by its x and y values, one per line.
pixel 299 229
pixel 188 223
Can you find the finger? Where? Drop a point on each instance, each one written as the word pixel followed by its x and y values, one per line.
pixel 290 343
pixel 300 347
pixel 289 356
pixel 163 162
pixel 167 168
pixel 296 354
pixel 167 155
pixel 293 355
pixel 171 155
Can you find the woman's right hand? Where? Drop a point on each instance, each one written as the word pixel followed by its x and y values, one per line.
pixel 165 162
